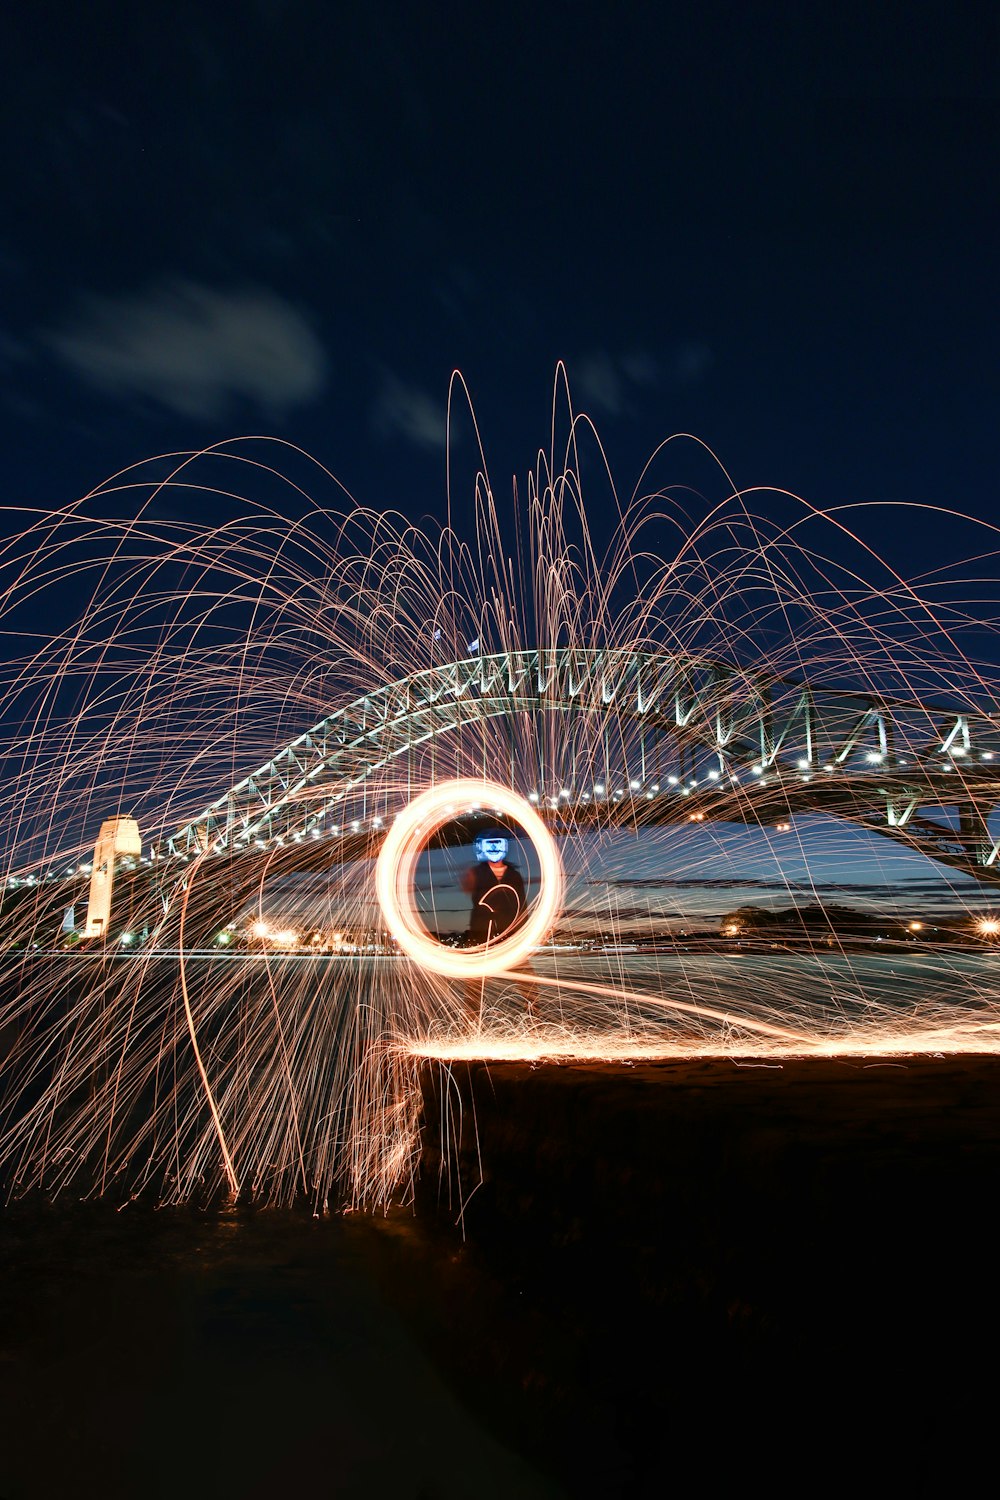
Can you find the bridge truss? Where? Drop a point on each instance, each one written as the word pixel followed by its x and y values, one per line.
pixel 652 739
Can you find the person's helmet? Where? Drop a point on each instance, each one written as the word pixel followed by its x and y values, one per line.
pixel 492 846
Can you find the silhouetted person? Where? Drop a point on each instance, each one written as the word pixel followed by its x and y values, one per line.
pixel 497 890
pixel 499 903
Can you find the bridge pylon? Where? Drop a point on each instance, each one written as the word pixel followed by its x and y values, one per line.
pixel 117 836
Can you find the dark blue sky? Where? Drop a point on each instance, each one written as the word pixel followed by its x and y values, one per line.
pixel 769 227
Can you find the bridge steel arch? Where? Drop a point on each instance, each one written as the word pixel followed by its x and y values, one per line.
pixel 735 743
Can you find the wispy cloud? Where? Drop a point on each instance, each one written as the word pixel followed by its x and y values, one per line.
pixel 608 382
pixel 194 349
pixel 408 412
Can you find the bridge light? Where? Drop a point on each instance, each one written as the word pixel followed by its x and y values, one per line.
pixel 634 785
pixel 672 780
pixel 959 750
pixel 564 791
pixel 916 926
pixel 802 763
pixel 656 786
pixel 713 775
pixel 874 757
pixel 757 770
pixel 989 927
pixel 376 822
pixel 987 755
pixel 126 938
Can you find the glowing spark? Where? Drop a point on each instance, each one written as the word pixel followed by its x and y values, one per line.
pixel 394 880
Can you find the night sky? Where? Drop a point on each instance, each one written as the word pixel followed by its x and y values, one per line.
pixel 769 227
pixel 772 228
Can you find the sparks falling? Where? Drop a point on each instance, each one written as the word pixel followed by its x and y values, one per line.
pixel 268 693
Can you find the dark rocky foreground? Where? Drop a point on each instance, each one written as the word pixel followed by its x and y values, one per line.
pixel 673 1274
pixel 731 1265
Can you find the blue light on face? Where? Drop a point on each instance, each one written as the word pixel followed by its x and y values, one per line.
pixel 492 848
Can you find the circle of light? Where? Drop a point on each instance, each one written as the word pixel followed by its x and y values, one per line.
pixel 408 838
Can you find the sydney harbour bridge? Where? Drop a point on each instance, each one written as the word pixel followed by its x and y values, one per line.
pixel 668 740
